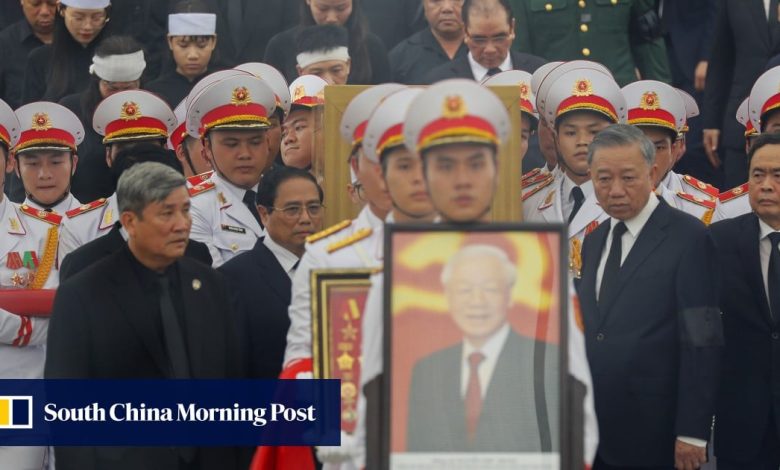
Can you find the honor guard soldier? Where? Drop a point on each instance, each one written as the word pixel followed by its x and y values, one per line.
pixel 231 117
pixel 308 92
pixel 658 110
pixel 577 103
pixel 188 149
pixel 529 119
pixel 274 79
pixel 734 202
pixel 123 119
pixel 28 250
pixel 46 155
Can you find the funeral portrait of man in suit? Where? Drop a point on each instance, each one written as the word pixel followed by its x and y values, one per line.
pixel 494 390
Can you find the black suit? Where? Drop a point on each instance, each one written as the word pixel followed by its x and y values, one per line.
pixel 743 44
pixel 106 324
pixel 749 395
pixel 654 349
pixel 261 293
pixel 508 422
pixel 92 252
pixel 459 67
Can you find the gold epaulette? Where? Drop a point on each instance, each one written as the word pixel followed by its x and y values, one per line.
pixel 535 180
pixel 350 240
pixel 48 217
pixel 530 174
pixel 201 188
pixel 84 208
pixel 329 231
pixel 708 189
pixel 734 193
pixel 198 179
pixel 539 187
pixel 708 203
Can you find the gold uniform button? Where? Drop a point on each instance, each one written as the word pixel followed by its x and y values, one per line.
pixel 586 52
pixel 234 247
pixel 582 3
pixel 548 7
pixel 584 28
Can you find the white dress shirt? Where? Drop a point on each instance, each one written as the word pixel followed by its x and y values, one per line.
pixel 491 350
pixel 480 72
pixel 567 200
pixel 285 257
pixel 765 250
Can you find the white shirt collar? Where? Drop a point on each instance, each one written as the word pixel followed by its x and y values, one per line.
pixel 373 221
pixel 636 224
pixel 480 72
pixel 285 257
pixel 765 229
pixel 235 191
pixel 568 185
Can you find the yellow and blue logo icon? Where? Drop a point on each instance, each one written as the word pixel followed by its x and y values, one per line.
pixel 16 412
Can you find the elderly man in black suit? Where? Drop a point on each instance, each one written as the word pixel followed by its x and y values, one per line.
pixel 481 394
pixel 653 331
pixel 490 30
pixel 290 204
pixel 152 314
pixel 747 429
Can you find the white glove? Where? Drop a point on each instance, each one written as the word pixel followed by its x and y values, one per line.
pixel 350 449
pixel 304 375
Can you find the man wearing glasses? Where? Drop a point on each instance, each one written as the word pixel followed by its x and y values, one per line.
pixel 490 30
pixel 290 205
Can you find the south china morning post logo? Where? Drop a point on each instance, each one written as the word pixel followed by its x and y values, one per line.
pixel 16 412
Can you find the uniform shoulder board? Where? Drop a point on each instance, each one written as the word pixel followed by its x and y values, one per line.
pixel 701 186
pixel 350 240
pixel 48 217
pixel 201 188
pixel 198 179
pixel 734 193
pixel 84 208
pixel 329 231
pixel 708 203
pixel 547 182
pixel 531 174
pixel 536 180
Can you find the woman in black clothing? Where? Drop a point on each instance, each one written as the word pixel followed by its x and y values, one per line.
pixel 369 63
pixel 58 69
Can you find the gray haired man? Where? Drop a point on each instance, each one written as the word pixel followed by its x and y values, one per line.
pixel 108 321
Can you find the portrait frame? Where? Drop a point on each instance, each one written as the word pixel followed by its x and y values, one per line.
pixel 338 298
pixel 402 315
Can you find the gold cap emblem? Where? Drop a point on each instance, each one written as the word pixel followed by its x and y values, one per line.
pixel 454 107
pixel 582 87
pixel 41 122
pixel 650 101
pixel 130 111
pixel 241 96
pixel 523 90
pixel 298 93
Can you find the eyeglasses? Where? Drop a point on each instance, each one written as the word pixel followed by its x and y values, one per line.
pixel 96 19
pixel 115 87
pixel 294 212
pixel 497 40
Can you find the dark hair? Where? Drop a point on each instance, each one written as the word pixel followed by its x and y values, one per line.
pixel 143 152
pixel 762 140
pixel 468 5
pixel 269 185
pixel 63 48
pixel 91 97
pixel 357 27
pixel 321 38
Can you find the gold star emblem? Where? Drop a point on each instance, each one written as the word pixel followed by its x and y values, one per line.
pixel 582 87
pixel 349 332
pixel 650 101
pixel 41 122
pixel 299 93
pixel 454 107
pixel 241 96
pixel 130 111
pixel 345 361
pixel 523 90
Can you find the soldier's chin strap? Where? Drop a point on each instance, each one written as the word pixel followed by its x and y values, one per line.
pixel 566 167
pixel 48 207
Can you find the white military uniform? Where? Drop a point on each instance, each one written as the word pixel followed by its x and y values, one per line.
pixel 221 220
pixel 87 222
pixel 703 209
pixel 733 203
pixel 688 184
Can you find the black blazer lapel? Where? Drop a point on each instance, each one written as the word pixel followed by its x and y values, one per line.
pixel 196 318
pixel 650 237
pixel 756 8
pixel 273 272
pixel 587 292
pixel 461 68
pixel 129 295
pixel 749 252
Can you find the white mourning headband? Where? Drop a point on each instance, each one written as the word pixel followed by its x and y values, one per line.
pixel 192 24
pixel 305 59
pixel 119 67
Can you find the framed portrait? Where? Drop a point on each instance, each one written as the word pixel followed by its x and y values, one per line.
pixel 338 298
pixel 475 355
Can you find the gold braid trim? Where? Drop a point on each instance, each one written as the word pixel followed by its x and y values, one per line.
pixel 707 217
pixel 49 254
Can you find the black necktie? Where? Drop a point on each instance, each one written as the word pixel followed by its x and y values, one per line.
pixel 251 204
pixel 173 334
pixel 579 198
pixel 493 71
pixel 773 276
pixel 612 267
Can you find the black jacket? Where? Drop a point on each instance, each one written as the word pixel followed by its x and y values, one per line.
pixel 414 57
pixel 16 43
pixel 460 67
pixel 261 293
